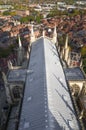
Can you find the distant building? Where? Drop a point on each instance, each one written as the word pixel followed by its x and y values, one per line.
pixel 81 2
pixel 6 7
pixel 23 12
pixel 74 59
pixel 38 8
pixel 61 3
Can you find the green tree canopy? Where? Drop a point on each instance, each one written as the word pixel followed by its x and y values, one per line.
pixel 12 13
pixel 6 13
pixel 83 52
pixel 84 65
pixel 4 52
pixel 27 19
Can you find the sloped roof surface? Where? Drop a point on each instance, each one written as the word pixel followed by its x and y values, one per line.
pixel 47 104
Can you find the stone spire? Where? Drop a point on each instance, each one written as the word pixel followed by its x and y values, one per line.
pixel 62 53
pixel 32 34
pixel 43 33
pixel 10 66
pixel 27 55
pixel 7 89
pixel 66 48
pixel 4 78
pixel 81 114
pixel 20 52
pixel 66 42
pixel 29 49
pixel 19 42
pixel 81 63
pixel 59 49
pixel 55 35
pixel 69 60
pixel 83 90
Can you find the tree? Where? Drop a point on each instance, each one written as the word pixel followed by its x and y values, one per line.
pixel 27 19
pixel 4 52
pixel 83 52
pixel 13 13
pixel 6 13
pixel 24 20
pixel 38 18
pixel 84 65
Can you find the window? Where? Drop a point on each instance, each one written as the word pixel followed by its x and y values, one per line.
pixel 16 92
pixel 75 89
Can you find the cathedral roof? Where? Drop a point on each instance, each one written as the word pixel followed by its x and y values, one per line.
pixel 47 103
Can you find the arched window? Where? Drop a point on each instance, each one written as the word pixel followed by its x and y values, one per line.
pixel 16 92
pixel 75 89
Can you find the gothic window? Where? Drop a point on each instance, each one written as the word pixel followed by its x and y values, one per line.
pixel 16 92
pixel 75 89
